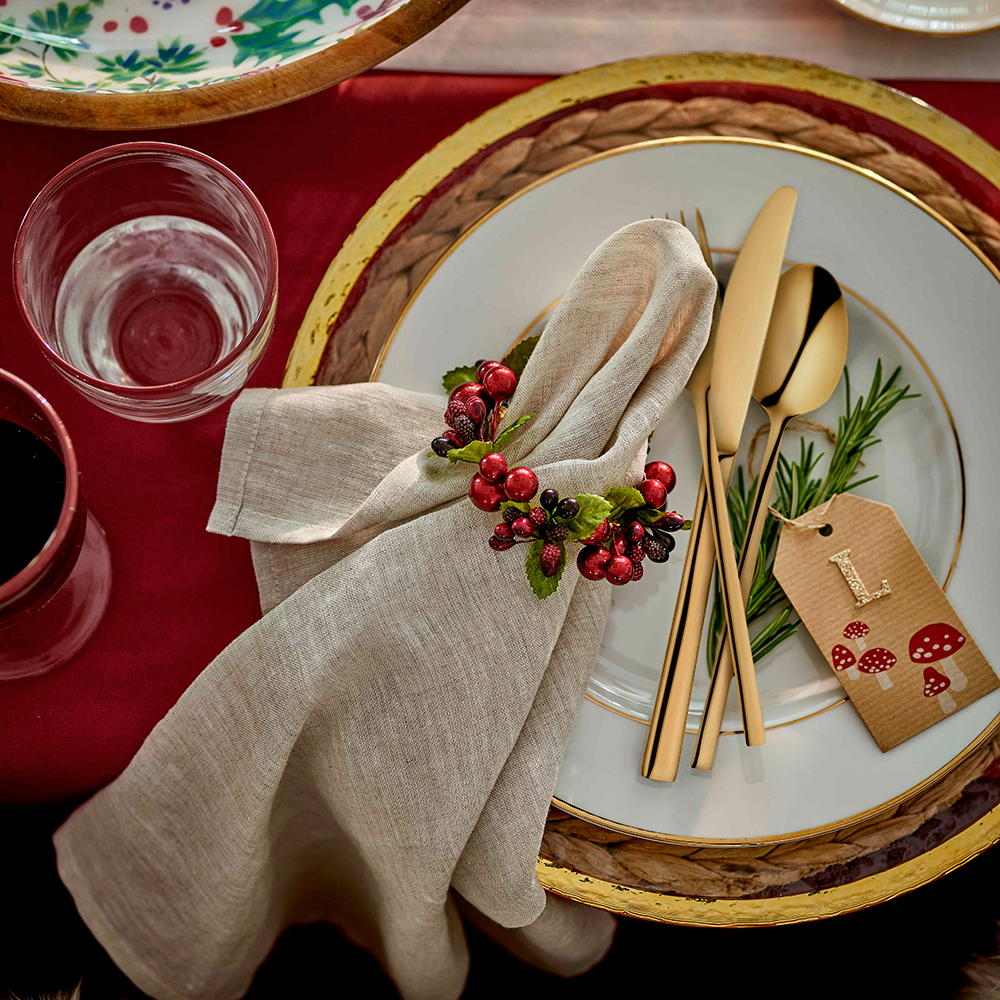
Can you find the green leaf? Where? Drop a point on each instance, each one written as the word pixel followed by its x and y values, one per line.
pixel 517 357
pixel 268 43
pixel 543 585
pixel 31 70
pixel 516 504
pixel 456 377
pixel 508 433
pixel 472 452
pixel 174 58
pixel 284 13
pixel 8 39
pixel 593 510
pixel 623 498
pixel 61 28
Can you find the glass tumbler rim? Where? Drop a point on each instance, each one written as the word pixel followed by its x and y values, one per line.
pixel 123 150
pixel 51 550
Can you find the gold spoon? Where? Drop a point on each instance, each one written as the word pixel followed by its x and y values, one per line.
pixel 800 367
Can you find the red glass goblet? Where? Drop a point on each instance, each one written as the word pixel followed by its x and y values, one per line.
pixel 51 607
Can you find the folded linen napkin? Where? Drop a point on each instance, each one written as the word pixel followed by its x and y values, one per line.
pixel 388 735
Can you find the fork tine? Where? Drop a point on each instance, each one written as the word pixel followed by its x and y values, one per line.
pixel 706 250
pixel 683 223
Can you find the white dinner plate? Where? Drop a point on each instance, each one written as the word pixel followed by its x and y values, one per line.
pixel 943 17
pixel 919 296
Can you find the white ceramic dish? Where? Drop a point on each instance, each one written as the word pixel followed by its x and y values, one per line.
pixel 924 293
pixel 944 17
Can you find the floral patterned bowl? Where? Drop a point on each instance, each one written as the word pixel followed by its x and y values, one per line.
pixel 134 63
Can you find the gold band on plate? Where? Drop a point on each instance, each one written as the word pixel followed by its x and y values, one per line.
pixel 987 733
pixel 562 94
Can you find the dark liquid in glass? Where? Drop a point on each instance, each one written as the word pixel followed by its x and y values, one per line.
pixel 33 483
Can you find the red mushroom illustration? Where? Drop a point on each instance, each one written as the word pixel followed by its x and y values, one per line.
pixel 877 661
pixel 843 659
pixel 938 643
pixel 936 686
pixel 857 631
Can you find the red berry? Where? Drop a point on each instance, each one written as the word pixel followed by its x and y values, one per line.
pixel 500 544
pixel 537 515
pixel 599 534
pixel 521 484
pixel 619 570
pixel 591 562
pixel 523 526
pixel 653 492
pixel 636 571
pixel 455 409
pixel 484 368
pixel 636 552
pixel 663 472
pixel 500 382
pixel 464 392
pixel 634 532
pixel 483 494
pixel 492 467
pixel 671 521
pixel 503 531
pixel 476 409
pixel 454 437
pixel 619 546
pixel 549 559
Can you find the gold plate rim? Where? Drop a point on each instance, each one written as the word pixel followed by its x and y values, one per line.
pixel 994 724
pixel 436 165
pixel 565 92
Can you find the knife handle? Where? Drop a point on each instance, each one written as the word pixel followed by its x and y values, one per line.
pixel 732 597
pixel 722 675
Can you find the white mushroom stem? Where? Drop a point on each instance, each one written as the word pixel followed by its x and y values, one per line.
pixel 862 645
pixel 947 703
pixel 883 679
pixel 853 673
pixel 950 669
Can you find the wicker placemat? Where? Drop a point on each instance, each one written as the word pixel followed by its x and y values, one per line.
pixel 358 337
pixel 362 326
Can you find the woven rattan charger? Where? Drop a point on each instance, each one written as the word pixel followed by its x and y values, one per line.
pixel 544 130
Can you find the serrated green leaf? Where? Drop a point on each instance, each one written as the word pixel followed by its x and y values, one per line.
pixel 593 510
pixel 623 498
pixel 456 377
pixel 508 433
pixel 472 452
pixel 543 585
pixel 517 357
pixel 517 505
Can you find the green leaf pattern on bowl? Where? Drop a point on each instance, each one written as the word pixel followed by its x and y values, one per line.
pixel 120 46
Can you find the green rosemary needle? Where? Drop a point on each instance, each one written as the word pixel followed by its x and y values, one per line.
pixel 797 490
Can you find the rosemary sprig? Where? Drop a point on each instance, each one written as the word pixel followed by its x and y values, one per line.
pixel 797 490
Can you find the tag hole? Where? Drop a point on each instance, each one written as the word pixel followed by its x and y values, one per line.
pixel 826 530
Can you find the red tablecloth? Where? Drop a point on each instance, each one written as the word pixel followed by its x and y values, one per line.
pixel 181 595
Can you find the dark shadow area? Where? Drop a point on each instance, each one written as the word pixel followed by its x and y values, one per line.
pixel 911 946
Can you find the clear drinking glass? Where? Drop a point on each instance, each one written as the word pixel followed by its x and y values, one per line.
pixel 51 606
pixel 149 274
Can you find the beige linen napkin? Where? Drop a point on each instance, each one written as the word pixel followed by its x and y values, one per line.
pixel 388 735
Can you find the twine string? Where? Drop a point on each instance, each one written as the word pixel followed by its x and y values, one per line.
pixel 818 512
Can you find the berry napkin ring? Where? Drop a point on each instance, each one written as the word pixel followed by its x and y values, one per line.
pixel 617 531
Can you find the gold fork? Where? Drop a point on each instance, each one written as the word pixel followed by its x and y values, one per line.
pixel 662 755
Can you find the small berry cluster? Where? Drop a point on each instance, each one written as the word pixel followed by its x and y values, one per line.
pixel 615 551
pixel 475 408
pixel 617 531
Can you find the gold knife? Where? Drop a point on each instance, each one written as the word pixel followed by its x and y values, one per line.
pixel 743 324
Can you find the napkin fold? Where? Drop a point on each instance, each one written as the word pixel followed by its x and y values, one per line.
pixel 387 737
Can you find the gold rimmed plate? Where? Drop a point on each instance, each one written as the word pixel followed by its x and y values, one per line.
pixel 913 274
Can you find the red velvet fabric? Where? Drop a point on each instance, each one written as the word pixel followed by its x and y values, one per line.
pixel 179 594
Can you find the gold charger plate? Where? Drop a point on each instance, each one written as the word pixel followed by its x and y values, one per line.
pixel 448 190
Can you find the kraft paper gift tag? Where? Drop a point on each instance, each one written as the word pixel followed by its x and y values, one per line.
pixel 868 599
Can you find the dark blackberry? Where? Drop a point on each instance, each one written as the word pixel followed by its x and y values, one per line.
pixel 557 532
pixel 465 427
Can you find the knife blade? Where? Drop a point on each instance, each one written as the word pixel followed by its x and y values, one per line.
pixel 739 342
